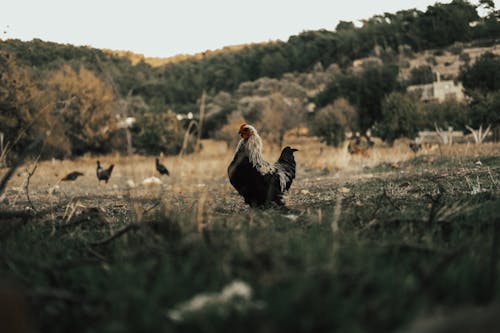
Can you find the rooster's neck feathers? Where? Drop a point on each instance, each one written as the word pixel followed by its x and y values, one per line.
pixel 252 147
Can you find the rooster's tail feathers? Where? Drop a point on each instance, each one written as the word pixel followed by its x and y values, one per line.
pixel 286 167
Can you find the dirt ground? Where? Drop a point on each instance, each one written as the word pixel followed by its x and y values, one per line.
pixel 323 174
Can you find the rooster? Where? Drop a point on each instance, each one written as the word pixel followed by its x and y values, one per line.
pixel 104 174
pixel 72 176
pixel 161 168
pixel 258 181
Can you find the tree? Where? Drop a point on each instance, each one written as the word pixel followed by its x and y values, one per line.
pixel 421 75
pixel 273 65
pixel 365 90
pixel 483 75
pixel 482 83
pixel 345 25
pixel 449 113
pixel 332 121
pixel 273 106
pixel 156 132
pixel 279 115
pixel 484 110
pixel 400 117
pixel 22 115
pixel 228 132
pixel 488 5
pixel 218 108
pixel 443 24
pixel 86 107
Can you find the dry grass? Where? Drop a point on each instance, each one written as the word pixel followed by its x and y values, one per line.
pixel 197 175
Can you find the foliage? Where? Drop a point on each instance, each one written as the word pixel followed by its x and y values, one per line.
pixel 229 132
pixel 443 24
pixel 274 106
pixel 217 110
pixel 22 116
pixel 421 75
pixel 485 111
pixel 279 114
pixel 482 83
pixel 449 113
pixel 332 121
pixel 483 75
pixel 156 132
pixel 345 25
pixel 177 85
pixel 401 117
pixel 464 57
pixel 86 108
pixel 180 83
pixel 364 90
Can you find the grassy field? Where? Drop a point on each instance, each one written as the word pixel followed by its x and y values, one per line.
pixel 387 242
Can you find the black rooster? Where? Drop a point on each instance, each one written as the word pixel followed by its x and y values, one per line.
pixel 161 168
pixel 72 176
pixel 258 181
pixel 104 174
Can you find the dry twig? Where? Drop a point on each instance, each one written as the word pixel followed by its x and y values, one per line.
pixel 19 161
pixel 27 186
pixel 119 233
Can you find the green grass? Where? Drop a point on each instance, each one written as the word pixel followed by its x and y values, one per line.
pixel 409 244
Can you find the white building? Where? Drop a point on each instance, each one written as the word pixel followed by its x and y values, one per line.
pixel 439 90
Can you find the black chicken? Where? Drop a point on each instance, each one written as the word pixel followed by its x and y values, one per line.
pixel 104 174
pixel 258 181
pixel 161 168
pixel 72 176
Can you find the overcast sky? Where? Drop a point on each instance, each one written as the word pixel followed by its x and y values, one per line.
pixel 164 28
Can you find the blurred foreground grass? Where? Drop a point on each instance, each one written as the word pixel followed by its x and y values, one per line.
pixel 369 253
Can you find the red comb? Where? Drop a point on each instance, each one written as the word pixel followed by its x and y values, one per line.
pixel 242 126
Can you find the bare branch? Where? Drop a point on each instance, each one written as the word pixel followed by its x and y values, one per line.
pixel 19 161
pixel 26 188
pixel 119 233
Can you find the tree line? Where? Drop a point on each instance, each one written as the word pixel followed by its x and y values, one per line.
pixel 84 94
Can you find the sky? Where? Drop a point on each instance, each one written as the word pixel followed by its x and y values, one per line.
pixel 157 28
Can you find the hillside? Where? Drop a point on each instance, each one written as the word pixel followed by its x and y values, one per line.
pixel 447 61
pixel 160 61
pixel 263 83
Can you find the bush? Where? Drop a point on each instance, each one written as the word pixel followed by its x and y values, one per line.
pixel 20 113
pixel 156 132
pixel 400 117
pixel 85 109
pixel 228 132
pixel 484 111
pixel 331 122
pixel 465 57
pixel 456 48
pixel 421 75
pixel 483 75
pixel 449 113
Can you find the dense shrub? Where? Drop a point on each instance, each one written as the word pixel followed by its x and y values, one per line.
pixel 332 121
pixel 156 132
pixel 401 117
